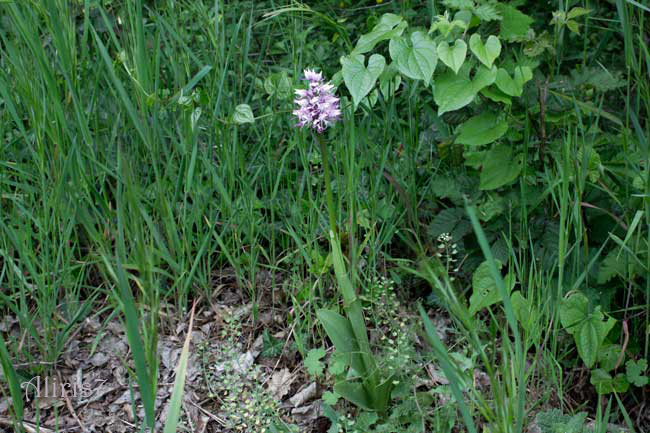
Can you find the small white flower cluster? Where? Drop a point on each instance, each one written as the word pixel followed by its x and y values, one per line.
pixel 447 252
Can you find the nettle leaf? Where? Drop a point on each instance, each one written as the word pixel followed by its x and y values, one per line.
pixel 487 12
pixel 588 342
pixel 481 129
pixel 500 167
pixel 484 288
pixel 634 371
pixel 416 59
pixel 514 24
pixel 453 56
pixel 360 79
pixel 487 53
pixel 513 86
pixel 573 311
pixel 243 114
pixel 577 12
pixel 313 361
pixel 453 91
pixel 388 27
pixel 588 329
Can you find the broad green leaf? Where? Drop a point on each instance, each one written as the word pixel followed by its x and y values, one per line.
pixel 484 288
pixel 488 52
pixel 416 59
pixel 635 372
pixel 453 56
pixel 605 384
pixel 500 168
pixel 588 342
pixel 339 330
pixel 388 27
pixel 354 392
pixel 496 95
pixel 483 78
pixel 506 84
pixel 513 86
pixel 481 129
pixel 514 24
pixel 360 79
pixel 243 114
pixel 454 91
pixel 573 311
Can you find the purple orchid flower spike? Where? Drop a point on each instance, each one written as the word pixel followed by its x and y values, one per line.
pixel 318 107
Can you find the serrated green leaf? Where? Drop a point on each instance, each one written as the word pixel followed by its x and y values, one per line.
pixel 337 363
pixel 487 53
pixel 573 311
pixel 243 114
pixel 330 397
pixel 514 24
pixel 605 384
pixel 500 168
pixel 452 56
pixel 608 356
pixel 416 59
pixel 588 342
pixel 313 361
pixel 360 79
pixel 577 12
pixel 487 12
pixel 635 372
pixel 481 129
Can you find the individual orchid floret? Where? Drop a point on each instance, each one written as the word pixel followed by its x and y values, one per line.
pixel 318 106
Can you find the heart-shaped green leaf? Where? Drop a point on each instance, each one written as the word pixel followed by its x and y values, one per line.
pixel 453 56
pixel 513 86
pixel 481 129
pixel 389 26
pixel 454 91
pixel 360 79
pixel 488 52
pixel 416 59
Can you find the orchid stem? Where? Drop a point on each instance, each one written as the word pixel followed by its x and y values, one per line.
pixel 328 187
